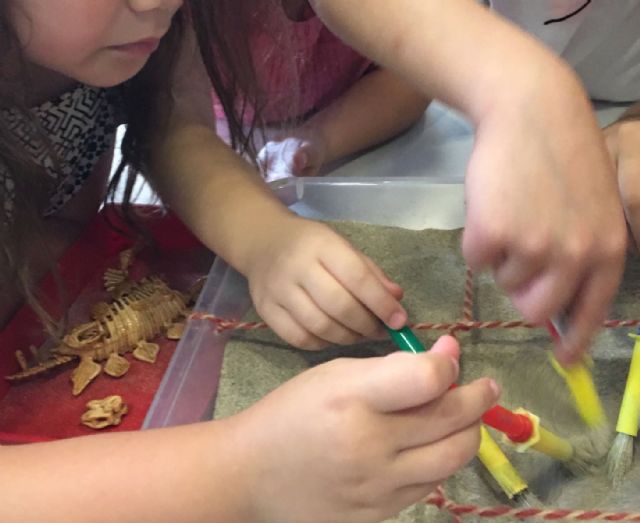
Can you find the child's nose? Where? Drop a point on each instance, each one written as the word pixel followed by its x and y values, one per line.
pixel 150 5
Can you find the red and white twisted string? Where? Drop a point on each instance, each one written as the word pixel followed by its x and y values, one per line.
pixel 225 324
pixel 439 499
pixel 467 307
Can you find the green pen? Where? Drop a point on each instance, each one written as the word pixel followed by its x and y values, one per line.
pixel 406 340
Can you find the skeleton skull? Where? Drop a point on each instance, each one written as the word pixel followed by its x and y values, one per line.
pixel 105 412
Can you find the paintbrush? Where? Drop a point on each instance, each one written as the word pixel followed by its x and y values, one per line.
pixel 620 455
pixel 521 429
pixel 578 378
pixel 489 453
pixel 503 472
pixel 593 445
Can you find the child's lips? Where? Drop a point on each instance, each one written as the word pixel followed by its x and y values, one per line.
pixel 140 48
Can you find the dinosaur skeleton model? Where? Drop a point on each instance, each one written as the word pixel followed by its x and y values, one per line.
pixel 139 312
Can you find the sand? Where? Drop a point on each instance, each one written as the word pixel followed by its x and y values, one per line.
pixel 429 265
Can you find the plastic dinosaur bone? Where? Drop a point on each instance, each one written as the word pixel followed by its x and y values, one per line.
pixel 176 331
pixel 105 412
pixel 146 310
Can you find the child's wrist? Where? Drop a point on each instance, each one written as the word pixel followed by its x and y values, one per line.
pixel 230 470
pixel 259 239
pixel 546 81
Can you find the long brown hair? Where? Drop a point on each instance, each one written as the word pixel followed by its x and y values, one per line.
pixel 225 30
pixel 142 96
pixel 147 104
pixel 222 28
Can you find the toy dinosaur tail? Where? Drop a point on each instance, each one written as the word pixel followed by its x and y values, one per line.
pixel 40 368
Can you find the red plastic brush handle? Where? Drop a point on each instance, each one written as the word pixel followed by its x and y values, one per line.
pixel 517 427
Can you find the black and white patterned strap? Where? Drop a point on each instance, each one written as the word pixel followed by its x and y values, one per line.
pixel 80 126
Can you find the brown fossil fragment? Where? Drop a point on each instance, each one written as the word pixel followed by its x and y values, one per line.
pixel 105 412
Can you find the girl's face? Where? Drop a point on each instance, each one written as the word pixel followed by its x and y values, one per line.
pixel 96 42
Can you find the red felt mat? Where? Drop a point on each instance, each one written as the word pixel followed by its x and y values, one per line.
pixel 44 407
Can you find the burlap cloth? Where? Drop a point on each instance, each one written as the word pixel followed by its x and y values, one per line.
pixel 429 266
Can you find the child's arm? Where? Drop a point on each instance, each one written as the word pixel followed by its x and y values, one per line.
pixel 379 106
pixel 376 108
pixel 150 476
pixel 542 207
pixel 308 451
pixel 306 281
pixel 623 141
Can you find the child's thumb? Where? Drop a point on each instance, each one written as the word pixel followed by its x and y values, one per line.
pixel 447 345
pixel 402 381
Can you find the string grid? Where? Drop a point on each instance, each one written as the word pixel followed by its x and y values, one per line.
pixel 438 497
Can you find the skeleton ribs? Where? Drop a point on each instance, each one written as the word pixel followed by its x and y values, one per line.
pixel 140 312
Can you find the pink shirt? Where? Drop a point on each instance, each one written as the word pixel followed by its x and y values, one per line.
pixel 301 67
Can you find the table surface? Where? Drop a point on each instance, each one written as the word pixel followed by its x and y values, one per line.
pixel 438 145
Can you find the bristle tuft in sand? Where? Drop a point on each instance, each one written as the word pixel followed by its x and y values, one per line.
pixel 620 458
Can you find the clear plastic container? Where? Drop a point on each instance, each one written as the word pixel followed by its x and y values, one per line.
pixel 188 390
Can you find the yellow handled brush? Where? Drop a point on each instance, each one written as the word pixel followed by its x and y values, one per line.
pixel 583 390
pixel 620 456
pixel 579 380
pixel 505 474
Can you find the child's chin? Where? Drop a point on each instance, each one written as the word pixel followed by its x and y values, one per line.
pixel 112 76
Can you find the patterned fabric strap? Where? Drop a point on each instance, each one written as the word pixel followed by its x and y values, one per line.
pixel 79 127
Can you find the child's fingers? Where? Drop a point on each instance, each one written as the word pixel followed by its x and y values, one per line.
pixel 283 324
pixel 446 345
pixel 549 292
pixel 339 303
pixel 437 461
pixel 482 248
pixel 588 311
pixel 540 274
pixel 308 159
pixel 354 274
pixel 401 381
pixel 306 312
pixel 519 268
pixel 452 412
pixel 389 284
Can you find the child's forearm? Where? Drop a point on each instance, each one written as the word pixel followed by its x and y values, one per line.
pixel 456 51
pixel 375 109
pixel 187 474
pixel 218 195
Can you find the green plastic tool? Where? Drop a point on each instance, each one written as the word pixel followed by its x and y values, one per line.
pixel 406 340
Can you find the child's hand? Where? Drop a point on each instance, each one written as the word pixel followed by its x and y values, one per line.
pixel 543 211
pixel 359 440
pixel 314 289
pixel 291 157
pixel 623 141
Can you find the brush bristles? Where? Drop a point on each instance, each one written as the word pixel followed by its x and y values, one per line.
pixel 589 451
pixel 527 499
pixel 583 462
pixel 620 458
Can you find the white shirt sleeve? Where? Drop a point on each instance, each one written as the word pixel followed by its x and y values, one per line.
pixel 600 39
